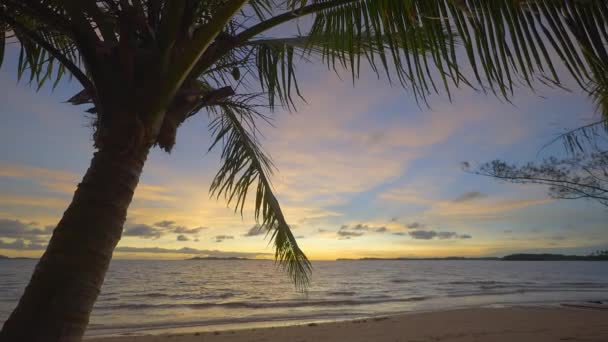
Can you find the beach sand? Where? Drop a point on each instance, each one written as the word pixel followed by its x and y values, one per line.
pixel 514 324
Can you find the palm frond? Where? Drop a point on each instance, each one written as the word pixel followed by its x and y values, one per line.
pixel 501 44
pixel 243 165
pixel 46 53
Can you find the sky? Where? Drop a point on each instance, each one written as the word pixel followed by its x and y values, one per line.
pixel 362 171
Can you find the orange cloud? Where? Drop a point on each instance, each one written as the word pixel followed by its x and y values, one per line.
pixel 36 173
pixel 33 201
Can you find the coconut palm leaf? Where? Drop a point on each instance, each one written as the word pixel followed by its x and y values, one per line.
pixel 244 164
pixel 44 54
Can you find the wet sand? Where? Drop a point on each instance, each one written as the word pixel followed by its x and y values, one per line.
pixel 520 324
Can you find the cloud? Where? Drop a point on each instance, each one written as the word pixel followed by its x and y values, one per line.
pixel 255 231
pixel 64 182
pixel 182 238
pixel 164 224
pixel 415 225
pixel 463 207
pixel 347 232
pixel 366 228
pixel 400 233
pixel 221 238
pixel 154 193
pixel 347 235
pixel 33 201
pixel 30 172
pixel 143 231
pixel 186 250
pixel 185 230
pixel 19 229
pixel 159 229
pixel 423 234
pixel 431 234
pixel 20 244
pixel 469 196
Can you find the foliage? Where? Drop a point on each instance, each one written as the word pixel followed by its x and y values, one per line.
pixel 583 176
pixel 598 253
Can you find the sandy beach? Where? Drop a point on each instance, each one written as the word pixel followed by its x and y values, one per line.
pixel 521 324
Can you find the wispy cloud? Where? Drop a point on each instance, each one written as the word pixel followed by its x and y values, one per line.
pixel 31 172
pixel 159 229
pixel 143 231
pixel 19 229
pixel 222 238
pixel 256 230
pixel 469 205
pixel 33 201
pixel 189 251
pixel 469 196
pixel 415 225
pixel 432 234
pixel 348 232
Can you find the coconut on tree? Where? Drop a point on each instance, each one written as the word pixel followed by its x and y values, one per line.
pixel 146 66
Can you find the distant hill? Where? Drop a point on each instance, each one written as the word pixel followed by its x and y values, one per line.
pixel 4 257
pixel 218 258
pixel 602 256
pixel 444 258
pixel 554 257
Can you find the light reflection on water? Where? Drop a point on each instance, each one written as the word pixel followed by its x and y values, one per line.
pixel 143 295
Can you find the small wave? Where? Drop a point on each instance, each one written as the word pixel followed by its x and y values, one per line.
pixel 400 281
pixel 476 282
pixel 376 297
pixel 586 284
pixel 547 287
pixel 258 305
pixel 341 293
pixel 183 296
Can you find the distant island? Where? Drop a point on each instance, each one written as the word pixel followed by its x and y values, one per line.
pixel 597 256
pixel 555 257
pixel 443 258
pixel 4 257
pixel 218 258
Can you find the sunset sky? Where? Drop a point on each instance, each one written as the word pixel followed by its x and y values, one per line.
pixel 362 172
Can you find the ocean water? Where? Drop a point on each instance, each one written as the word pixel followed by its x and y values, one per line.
pixel 147 296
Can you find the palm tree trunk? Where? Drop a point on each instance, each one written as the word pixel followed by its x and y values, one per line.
pixel 67 280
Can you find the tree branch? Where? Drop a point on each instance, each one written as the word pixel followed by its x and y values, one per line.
pixel 186 62
pixel 218 49
pixel 285 17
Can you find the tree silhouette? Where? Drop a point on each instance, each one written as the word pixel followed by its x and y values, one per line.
pixel 569 178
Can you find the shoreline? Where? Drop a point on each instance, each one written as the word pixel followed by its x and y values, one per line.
pixel 238 323
pixel 534 322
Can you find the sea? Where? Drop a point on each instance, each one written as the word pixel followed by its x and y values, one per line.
pixel 154 296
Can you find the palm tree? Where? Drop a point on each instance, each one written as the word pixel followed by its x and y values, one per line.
pixel 147 65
